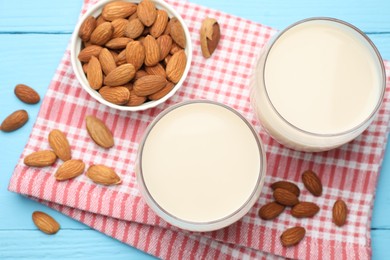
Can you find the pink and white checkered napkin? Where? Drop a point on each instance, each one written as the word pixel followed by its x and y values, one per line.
pixel 349 173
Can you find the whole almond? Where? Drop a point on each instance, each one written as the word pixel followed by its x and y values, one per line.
pixel 118 43
pixel 135 54
pixel 86 53
pixel 69 170
pixel 147 12
pixel 118 9
pixel 291 187
pixel 312 182
pixel 95 73
pixel 271 210
pixel 14 121
pixel 167 30
pixel 157 69
pixel 115 95
pixel 285 197
pixel 152 51
pixel 292 236
pixel 176 66
pixel 134 28
pixel 87 27
pixel 305 210
pixel 162 92
pixel 45 223
pixel 140 73
pixel 339 213
pixel 209 36
pixel 120 75
pixel 26 94
pixel 119 27
pixel 104 175
pixel 148 85
pixel 107 61
pixel 100 20
pixel 60 145
pixel 121 58
pixel 102 34
pixel 175 48
pixel 99 132
pixel 40 158
pixel 135 100
pixel 165 44
pixel 177 32
pixel 160 24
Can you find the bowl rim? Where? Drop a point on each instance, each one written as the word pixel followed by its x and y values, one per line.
pixel 75 47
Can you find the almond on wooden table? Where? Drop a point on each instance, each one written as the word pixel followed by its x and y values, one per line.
pixel 26 94
pixel 285 197
pixel 69 170
pixel 118 9
pixel 99 132
pixel 147 12
pixel 104 175
pixel 176 66
pixel 60 145
pixel 292 236
pixel 115 95
pixel 305 210
pixel 40 158
pixel 312 182
pixel 14 121
pixel 87 27
pixel 271 210
pixel 291 187
pixel 45 223
pixel 210 35
pixel 339 213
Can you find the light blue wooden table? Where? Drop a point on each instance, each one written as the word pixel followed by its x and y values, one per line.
pixel 33 37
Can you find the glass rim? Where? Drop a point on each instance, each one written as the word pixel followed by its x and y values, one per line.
pixel 366 38
pixel 260 176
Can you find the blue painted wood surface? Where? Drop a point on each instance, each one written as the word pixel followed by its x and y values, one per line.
pixel 33 37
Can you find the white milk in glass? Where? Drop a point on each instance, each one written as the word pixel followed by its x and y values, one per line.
pixel 318 85
pixel 201 164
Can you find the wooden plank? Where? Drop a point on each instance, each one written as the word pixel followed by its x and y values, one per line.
pixel 380 244
pixel 66 244
pixel 61 16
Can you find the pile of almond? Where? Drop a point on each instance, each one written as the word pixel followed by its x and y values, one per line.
pixel 286 194
pixel 132 53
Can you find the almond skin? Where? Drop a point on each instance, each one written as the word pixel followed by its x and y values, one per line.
pixel 118 9
pixel 157 69
pixel 134 28
pixel 148 85
pixel 147 12
pixel 102 34
pixel 162 92
pixel 312 182
pixel 120 75
pixel 99 132
pixel 271 210
pixel 291 187
pixel 135 54
pixel 176 66
pixel 104 175
pixel 95 73
pixel 119 27
pixel 45 223
pixel 14 121
pixel 135 100
pixel 86 53
pixel 152 51
pixel 305 210
pixel 339 213
pixel 107 61
pixel 140 73
pixel 121 58
pixel 285 197
pixel 69 170
pixel 177 32
pixel 160 24
pixel 26 94
pixel 118 43
pixel 165 44
pixel 175 48
pixel 87 27
pixel 210 35
pixel 292 236
pixel 40 158
pixel 115 95
pixel 60 145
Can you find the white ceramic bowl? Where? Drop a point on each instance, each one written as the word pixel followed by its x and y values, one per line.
pixel 77 66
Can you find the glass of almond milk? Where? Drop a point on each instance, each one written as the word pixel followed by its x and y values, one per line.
pixel 200 165
pixel 318 84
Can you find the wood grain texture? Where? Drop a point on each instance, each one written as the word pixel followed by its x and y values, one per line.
pixel 34 35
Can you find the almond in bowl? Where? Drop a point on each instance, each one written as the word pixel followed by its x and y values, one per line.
pixel 131 55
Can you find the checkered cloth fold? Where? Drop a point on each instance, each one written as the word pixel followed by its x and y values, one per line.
pixel 349 172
